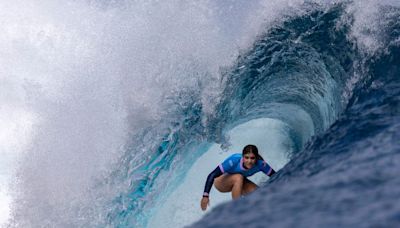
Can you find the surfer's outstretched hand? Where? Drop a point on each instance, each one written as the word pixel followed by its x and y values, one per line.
pixel 204 203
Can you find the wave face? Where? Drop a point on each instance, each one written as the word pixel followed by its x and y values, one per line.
pixel 346 174
pixel 124 98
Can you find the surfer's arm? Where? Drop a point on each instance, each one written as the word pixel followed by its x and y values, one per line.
pixel 271 172
pixel 267 169
pixel 210 180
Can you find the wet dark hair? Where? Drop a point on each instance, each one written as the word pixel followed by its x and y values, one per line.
pixel 252 149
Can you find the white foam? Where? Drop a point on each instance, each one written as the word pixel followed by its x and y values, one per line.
pixel 15 131
pixel 93 73
pixel 182 207
pixel 4 206
pixel 369 23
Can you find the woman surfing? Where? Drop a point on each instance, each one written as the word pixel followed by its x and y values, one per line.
pixel 231 175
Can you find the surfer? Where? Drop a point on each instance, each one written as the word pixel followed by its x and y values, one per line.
pixel 231 175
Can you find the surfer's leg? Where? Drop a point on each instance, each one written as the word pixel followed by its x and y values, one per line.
pixel 248 186
pixel 237 186
pixel 230 183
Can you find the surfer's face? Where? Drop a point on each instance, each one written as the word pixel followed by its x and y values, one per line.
pixel 249 160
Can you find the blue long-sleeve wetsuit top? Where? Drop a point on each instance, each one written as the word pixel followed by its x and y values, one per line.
pixel 232 165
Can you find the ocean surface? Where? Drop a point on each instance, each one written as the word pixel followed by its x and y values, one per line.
pixel 113 113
